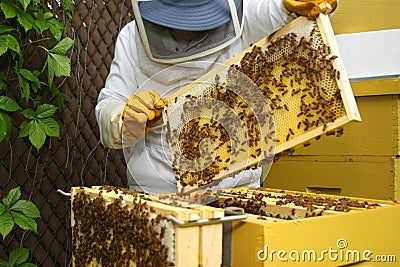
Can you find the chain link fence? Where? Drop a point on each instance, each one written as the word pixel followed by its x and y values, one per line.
pixel 77 157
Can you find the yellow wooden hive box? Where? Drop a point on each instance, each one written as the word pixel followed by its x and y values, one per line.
pixel 357 231
pixel 363 161
pixel 114 227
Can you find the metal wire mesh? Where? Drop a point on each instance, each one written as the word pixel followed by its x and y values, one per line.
pixel 77 157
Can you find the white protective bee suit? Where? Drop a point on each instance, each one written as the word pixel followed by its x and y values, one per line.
pixel 149 160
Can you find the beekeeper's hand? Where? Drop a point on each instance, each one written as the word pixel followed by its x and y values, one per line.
pixel 140 113
pixel 310 8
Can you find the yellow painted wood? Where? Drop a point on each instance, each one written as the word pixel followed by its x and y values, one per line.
pixel 397 179
pixel 376 134
pixel 356 176
pixel 376 87
pixel 374 230
pixel 396 122
pixel 396 170
pixel 368 15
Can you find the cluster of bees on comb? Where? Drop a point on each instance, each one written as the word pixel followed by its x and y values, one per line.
pixel 296 76
pixel 111 234
pixel 224 126
pixel 288 206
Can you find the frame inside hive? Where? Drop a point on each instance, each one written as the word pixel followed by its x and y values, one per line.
pixel 113 226
pixel 274 205
pixel 302 77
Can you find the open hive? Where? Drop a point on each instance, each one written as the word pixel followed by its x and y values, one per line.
pixel 115 227
pixel 295 88
pixel 307 229
pixel 270 204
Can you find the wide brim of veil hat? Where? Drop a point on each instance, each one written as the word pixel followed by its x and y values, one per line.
pixel 189 15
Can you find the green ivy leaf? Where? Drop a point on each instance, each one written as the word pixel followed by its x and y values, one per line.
pixel 45 111
pixel 48 15
pixel 12 197
pixel 6 28
pixel 63 46
pixel 7 41
pixel 68 6
pixel 28 113
pixel 60 97
pixel 52 127
pixel 6 224
pixel 8 9
pixel 58 64
pixel 27 207
pixel 27 264
pixel 37 134
pixel 41 21
pixel 25 19
pixel 32 77
pixel 5 126
pixel 42 25
pixel 3 79
pixel 28 75
pixel 24 129
pixel 18 256
pixel 50 75
pixel 8 104
pixel 25 3
pixel 2 208
pixel 3 263
pixel 56 28
pixel 24 85
pixel 24 222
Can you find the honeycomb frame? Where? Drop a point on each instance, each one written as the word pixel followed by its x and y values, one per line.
pixel 300 73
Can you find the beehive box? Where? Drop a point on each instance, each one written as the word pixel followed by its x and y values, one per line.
pixel 288 228
pixel 295 89
pixel 114 227
pixel 364 160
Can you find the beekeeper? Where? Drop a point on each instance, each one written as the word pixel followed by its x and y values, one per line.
pixel 169 44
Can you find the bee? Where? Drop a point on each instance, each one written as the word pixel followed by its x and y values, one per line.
pixel 338 75
pixel 286 107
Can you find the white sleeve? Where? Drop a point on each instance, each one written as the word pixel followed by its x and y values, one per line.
pixel 263 17
pixel 119 87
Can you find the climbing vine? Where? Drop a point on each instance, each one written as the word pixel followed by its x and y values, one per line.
pixel 33 55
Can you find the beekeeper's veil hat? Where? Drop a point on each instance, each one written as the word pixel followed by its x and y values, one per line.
pixel 220 22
